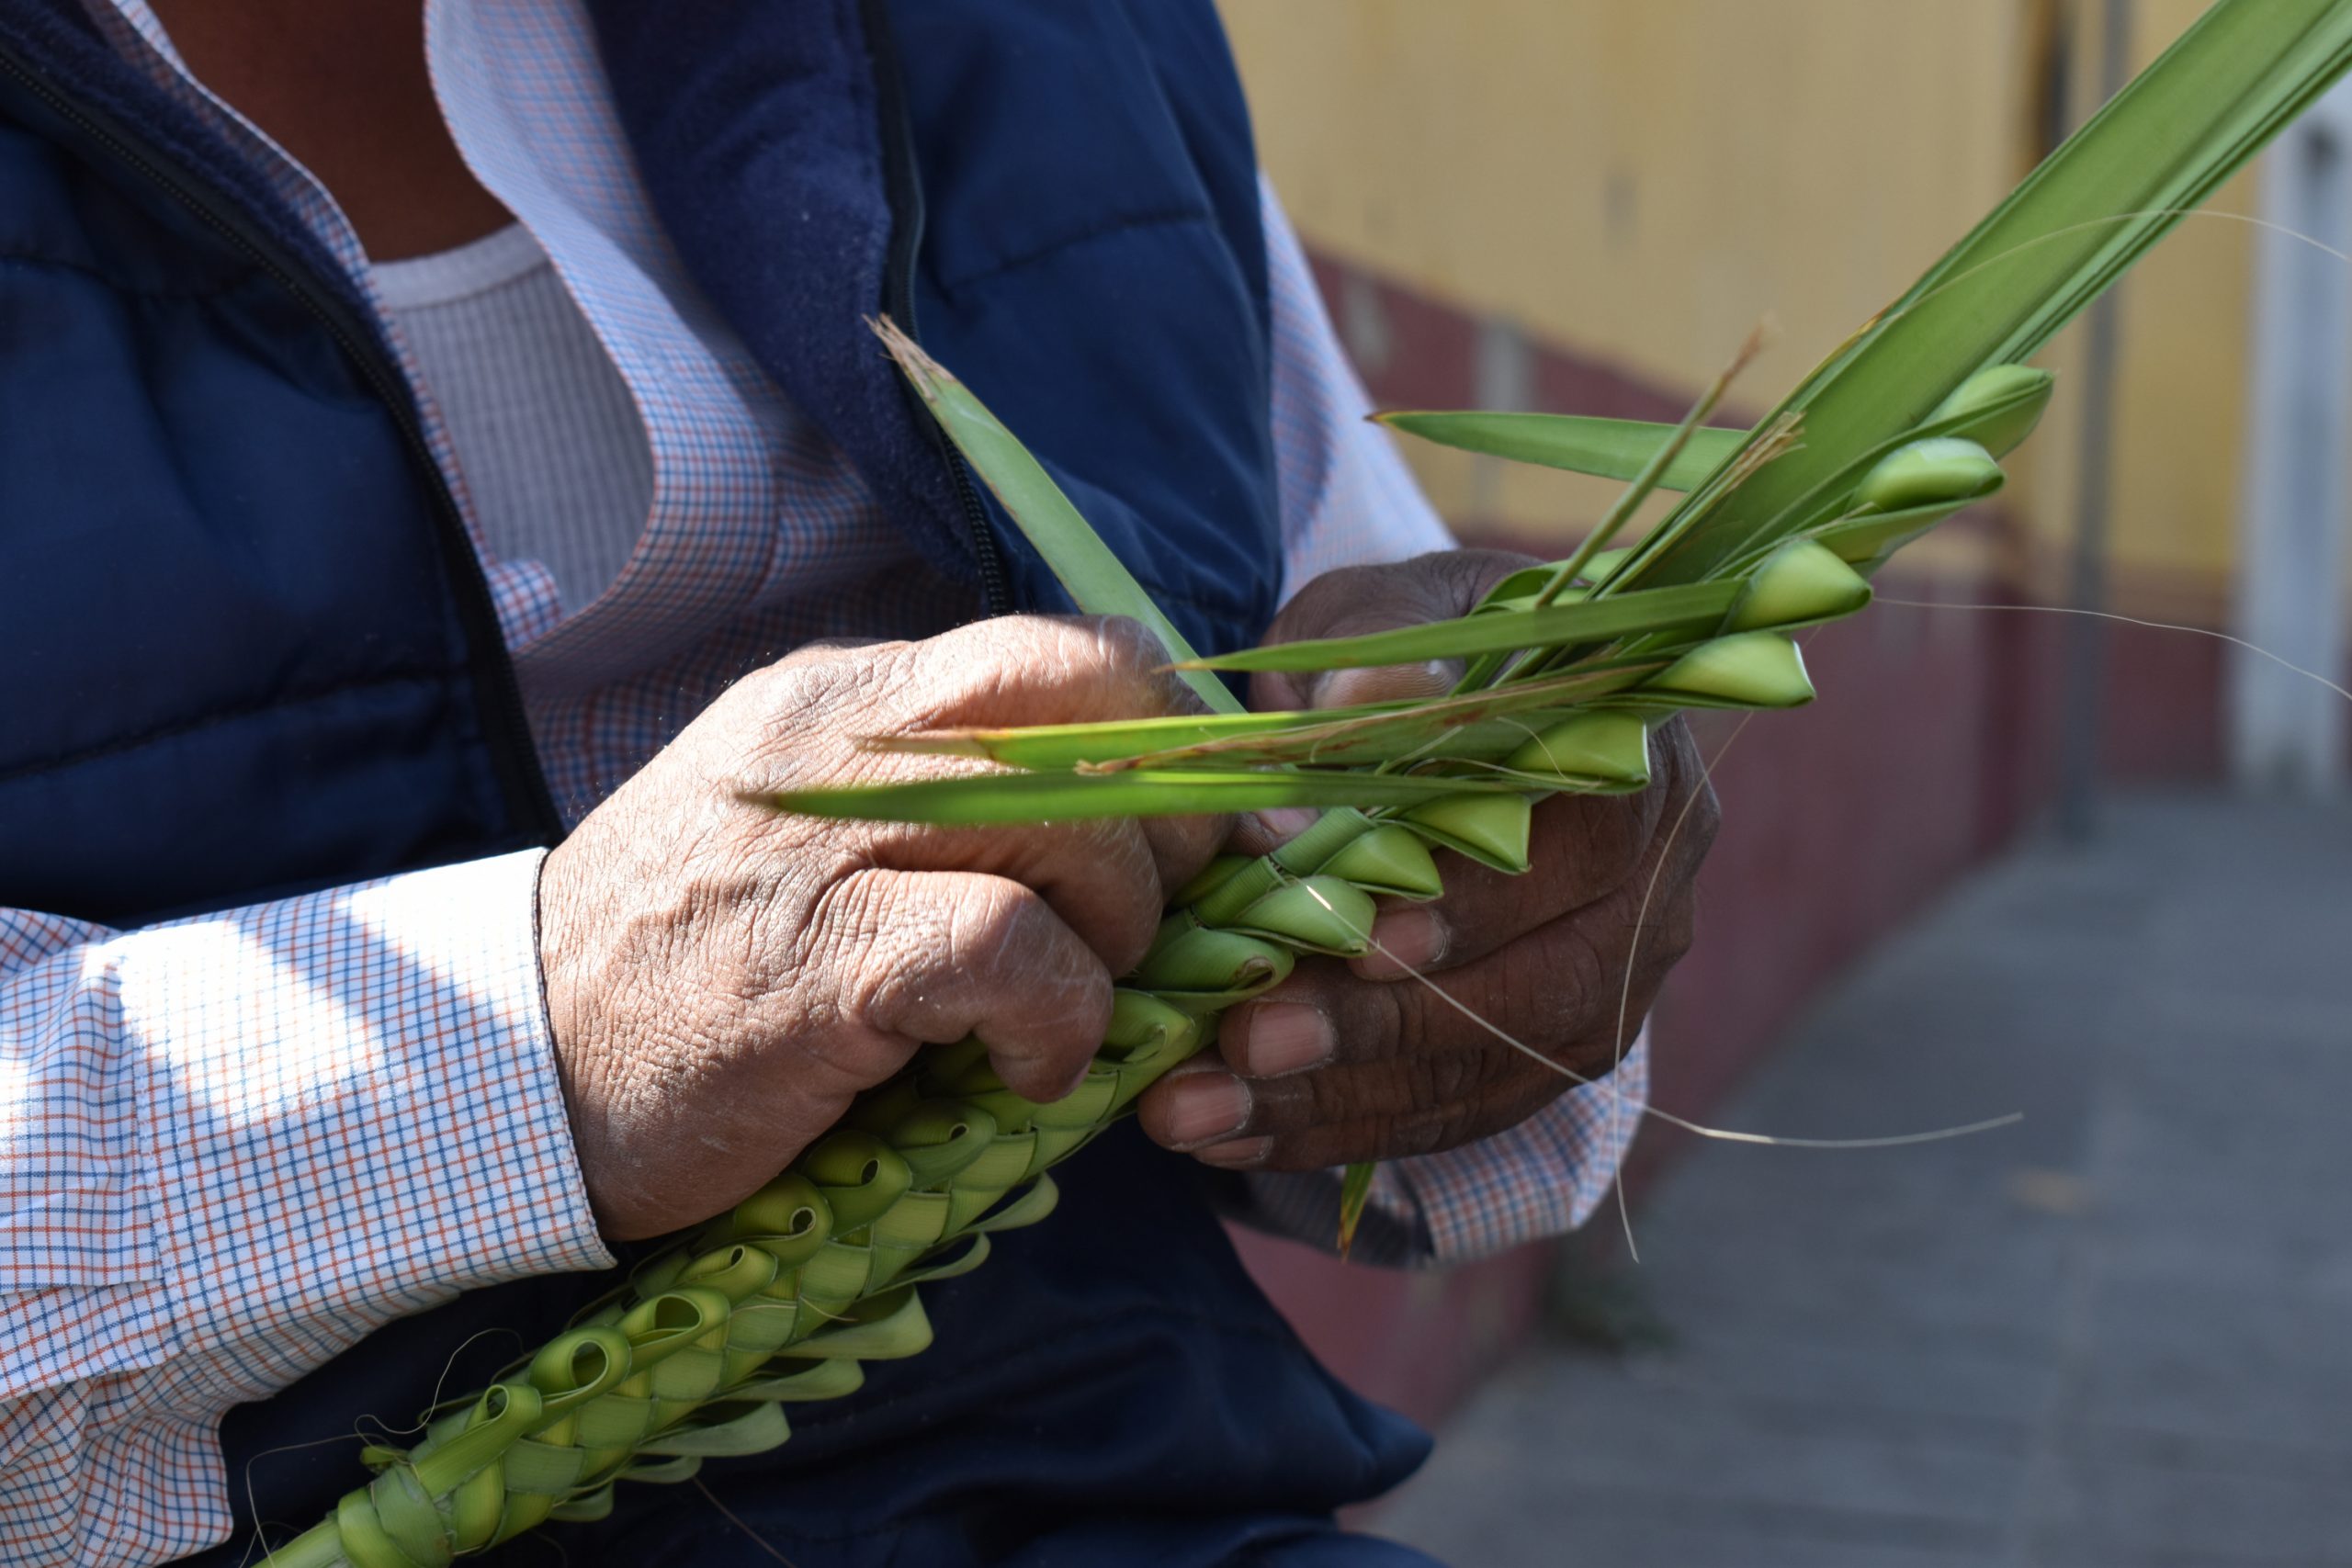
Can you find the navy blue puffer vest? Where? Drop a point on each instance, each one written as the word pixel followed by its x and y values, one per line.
pixel 251 653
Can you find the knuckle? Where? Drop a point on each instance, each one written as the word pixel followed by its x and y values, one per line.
pixel 1179 847
pixel 1001 926
pixel 1427 1130
pixel 1705 821
pixel 842 980
pixel 979 673
pixel 1441 1077
pixel 1677 931
pixel 1382 1021
pixel 1576 982
pixel 1318 1099
pixel 857 1059
pixel 1124 646
pixel 1455 1125
pixel 1314 606
pixel 1586 963
pixel 1057 990
pixel 861 948
pixel 832 679
pixel 1078 1016
pixel 1130 922
pixel 1135 665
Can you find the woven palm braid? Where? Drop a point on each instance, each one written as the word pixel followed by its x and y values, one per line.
pixel 783 1297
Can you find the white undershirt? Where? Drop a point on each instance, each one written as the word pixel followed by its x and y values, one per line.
pixel 548 441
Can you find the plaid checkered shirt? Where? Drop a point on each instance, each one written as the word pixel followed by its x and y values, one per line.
pixel 232 1146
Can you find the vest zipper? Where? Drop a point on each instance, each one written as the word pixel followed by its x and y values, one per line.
pixel 512 754
pixel 902 188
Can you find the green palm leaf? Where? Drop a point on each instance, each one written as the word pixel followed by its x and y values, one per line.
pixel 1055 797
pixel 2160 147
pixel 1098 582
pixel 1695 607
pixel 1473 725
pixel 1605 449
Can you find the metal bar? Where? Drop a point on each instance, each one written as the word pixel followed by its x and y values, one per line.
pixel 2085 708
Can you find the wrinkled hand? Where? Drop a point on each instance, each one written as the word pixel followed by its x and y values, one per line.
pixel 722 978
pixel 1355 1060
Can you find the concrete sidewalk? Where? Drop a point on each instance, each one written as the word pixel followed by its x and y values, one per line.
pixel 2120 1333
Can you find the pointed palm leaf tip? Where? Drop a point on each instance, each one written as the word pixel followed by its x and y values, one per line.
pixel 2240 73
pixel 1693 606
pixel 1603 449
pixel 783 1297
pixel 1097 580
pixel 1355 1191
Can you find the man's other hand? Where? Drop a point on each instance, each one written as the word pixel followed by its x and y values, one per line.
pixel 722 977
pixel 1357 1060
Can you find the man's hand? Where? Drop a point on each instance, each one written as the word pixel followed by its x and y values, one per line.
pixel 1357 1060
pixel 722 978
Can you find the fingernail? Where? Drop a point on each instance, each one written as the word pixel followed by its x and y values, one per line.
pixel 1287 822
pixel 1286 1037
pixel 1235 1154
pixel 1205 1106
pixel 1402 943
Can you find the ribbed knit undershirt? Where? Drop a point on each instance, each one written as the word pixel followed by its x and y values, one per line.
pixel 549 442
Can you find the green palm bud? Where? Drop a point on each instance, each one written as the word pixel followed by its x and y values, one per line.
pixel 1518 591
pixel 1388 861
pixel 1321 914
pixel 1144 1030
pixel 1226 896
pixel 1193 966
pixel 941 1137
pixel 1332 831
pixel 1212 876
pixel 1801 583
pixel 1940 470
pixel 881 1329
pixel 859 1175
pixel 787 1216
pixel 1864 542
pixel 1745 669
pixel 1604 746
pixel 1490 828
pixel 1998 406
pixel 1603 564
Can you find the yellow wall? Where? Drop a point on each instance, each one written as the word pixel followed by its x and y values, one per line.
pixel 1641 180
pixel 2181 391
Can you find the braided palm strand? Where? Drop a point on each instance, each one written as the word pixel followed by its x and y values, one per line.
pixel 784 1297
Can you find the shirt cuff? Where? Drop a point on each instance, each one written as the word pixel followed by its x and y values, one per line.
pixel 352 1111
pixel 1540 1180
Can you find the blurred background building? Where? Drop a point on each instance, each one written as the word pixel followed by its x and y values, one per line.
pixel 1585 205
